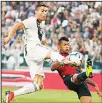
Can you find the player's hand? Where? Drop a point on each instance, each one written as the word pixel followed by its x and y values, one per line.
pixel 66 61
pixel 97 90
pixel 7 40
pixel 74 62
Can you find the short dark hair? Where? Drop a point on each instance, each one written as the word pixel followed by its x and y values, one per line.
pixel 63 39
pixel 41 4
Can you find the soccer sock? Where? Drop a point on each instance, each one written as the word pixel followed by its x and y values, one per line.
pixel 82 77
pixel 29 88
pixel 55 56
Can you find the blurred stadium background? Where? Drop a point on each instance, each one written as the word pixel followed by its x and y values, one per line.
pixel 80 21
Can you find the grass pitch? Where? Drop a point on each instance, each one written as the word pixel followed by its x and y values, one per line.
pixel 49 96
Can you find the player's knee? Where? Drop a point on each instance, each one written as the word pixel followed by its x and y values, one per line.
pixel 86 99
pixel 41 86
pixel 54 56
pixel 38 80
pixel 40 83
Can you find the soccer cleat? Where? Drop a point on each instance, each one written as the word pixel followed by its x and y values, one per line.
pixel 9 96
pixel 89 68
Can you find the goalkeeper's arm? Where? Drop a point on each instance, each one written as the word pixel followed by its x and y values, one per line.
pixel 57 64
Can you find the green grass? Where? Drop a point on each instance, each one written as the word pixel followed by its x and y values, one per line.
pixel 49 96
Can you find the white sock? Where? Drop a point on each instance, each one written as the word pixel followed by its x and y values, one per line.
pixel 55 56
pixel 29 88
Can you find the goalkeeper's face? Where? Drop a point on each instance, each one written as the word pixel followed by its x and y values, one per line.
pixel 64 47
pixel 42 13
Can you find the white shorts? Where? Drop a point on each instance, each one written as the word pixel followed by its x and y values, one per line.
pixel 35 59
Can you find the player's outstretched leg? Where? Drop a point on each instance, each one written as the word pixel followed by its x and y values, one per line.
pixel 89 68
pixel 9 96
pixel 81 77
pixel 36 85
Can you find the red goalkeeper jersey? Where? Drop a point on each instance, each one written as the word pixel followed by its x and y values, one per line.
pixel 67 70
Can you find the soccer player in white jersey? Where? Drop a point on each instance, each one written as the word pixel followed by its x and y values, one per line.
pixel 34 51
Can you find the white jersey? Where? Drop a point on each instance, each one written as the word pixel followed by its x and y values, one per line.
pixel 35 53
pixel 31 38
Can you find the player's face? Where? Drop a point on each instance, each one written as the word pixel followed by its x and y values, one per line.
pixel 64 47
pixel 42 13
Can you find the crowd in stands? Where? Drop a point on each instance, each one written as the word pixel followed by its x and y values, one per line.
pixel 80 21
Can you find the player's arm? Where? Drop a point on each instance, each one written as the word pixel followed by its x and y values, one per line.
pixel 44 42
pixel 13 31
pixel 92 83
pixel 57 65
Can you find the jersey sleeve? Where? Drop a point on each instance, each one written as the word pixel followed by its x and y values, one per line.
pixel 26 23
pixel 29 23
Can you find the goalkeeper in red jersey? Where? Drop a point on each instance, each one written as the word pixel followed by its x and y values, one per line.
pixel 73 77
